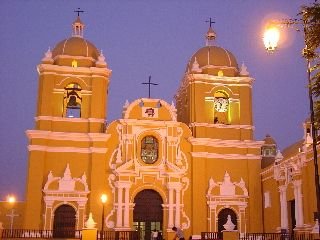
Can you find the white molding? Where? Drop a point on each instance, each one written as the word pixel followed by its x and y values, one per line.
pixel 136 102
pixel 225 143
pixel 67 149
pixel 226 156
pixel 79 137
pixel 223 126
pixel 64 119
pixel 210 79
pixel 153 123
pixel 70 71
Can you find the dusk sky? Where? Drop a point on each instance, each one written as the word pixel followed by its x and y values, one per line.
pixel 142 38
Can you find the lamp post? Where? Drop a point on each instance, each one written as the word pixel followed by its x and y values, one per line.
pixel 104 199
pixel 270 39
pixel 11 200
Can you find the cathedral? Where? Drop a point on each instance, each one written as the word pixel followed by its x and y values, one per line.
pixel 192 163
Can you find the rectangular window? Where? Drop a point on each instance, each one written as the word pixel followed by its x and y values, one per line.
pixel 267 200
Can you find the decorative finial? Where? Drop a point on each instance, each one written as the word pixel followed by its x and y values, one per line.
pixel 90 223
pixel 101 60
pixel 211 35
pixel 229 225
pixel 47 57
pixel 195 66
pixel 67 173
pixel 77 25
pixel 243 70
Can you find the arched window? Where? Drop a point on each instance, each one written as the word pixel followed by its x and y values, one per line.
pixel 72 101
pixel 221 107
pixel 149 149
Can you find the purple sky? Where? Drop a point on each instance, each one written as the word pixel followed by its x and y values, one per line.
pixel 142 38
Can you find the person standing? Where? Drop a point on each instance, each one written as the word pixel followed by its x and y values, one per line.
pixel 179 233
pixel 154 234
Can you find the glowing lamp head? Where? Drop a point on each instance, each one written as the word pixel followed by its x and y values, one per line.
pixel 104 198
pixel 11 199
pixel 270 39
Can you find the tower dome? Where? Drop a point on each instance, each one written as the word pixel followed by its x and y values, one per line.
pixel 213 56
pixel 212 59
pixel 75 48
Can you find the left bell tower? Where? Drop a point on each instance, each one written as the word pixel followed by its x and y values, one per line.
pixel 69 139
pixel 73 86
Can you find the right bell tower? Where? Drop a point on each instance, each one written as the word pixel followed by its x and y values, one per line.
pixel 215 97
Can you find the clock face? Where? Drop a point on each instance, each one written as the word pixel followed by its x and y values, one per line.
pixel 221 104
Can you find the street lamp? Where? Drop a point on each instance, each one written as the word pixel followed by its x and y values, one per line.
pixel 104 199
pixel 271 41
pixel 11 200
pixel 270 38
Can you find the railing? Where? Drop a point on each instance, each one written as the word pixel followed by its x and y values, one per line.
pixel 211 236
pixel 277 236
pixel 27 233
pixel 118 235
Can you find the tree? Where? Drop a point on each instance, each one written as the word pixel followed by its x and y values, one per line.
pixel 311 19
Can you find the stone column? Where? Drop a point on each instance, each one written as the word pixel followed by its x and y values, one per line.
pixel 120 204
pixel 126 205
pixel 48 215
pixel 81 214
pixel 170 207
pixel 283 206
pixel 298 203
pixel 178 202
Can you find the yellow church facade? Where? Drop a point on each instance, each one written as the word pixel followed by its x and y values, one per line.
pixel 193 164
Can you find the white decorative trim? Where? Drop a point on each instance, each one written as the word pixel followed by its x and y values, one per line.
pixel 162 102
pixel 78 137
pixel 226 198
pixel 69 71
pixel 226 156
pixel 210 79
pixel 67 149
pixel 225 143
pixel 153 123
pixel 224 126
pixel 63 119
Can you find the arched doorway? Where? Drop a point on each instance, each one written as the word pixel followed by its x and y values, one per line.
pixel 64 224
pixel 223 217
pixel 147 213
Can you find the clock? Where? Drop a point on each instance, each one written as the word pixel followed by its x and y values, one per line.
pixel 221 104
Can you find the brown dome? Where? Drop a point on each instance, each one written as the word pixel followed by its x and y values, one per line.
pixel 217 57
pixel 76 46
pixel 269 140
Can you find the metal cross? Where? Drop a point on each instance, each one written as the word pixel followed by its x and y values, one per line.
pixel 12 215
pixel 79 11
pixel 210 21
pixel 149 83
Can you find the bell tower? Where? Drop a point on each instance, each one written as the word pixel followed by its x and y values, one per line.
pixel 215 96
pixel 73 86
pixel 69 139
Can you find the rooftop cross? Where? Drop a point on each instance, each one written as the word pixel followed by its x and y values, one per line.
pixel 78 11
pixel 210 21
pixel 149 83
pixel 12 215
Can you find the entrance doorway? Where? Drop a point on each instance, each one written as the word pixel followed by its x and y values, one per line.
pixel 147 213
pixel 223 217
pixel 291 215
pixel 64 224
